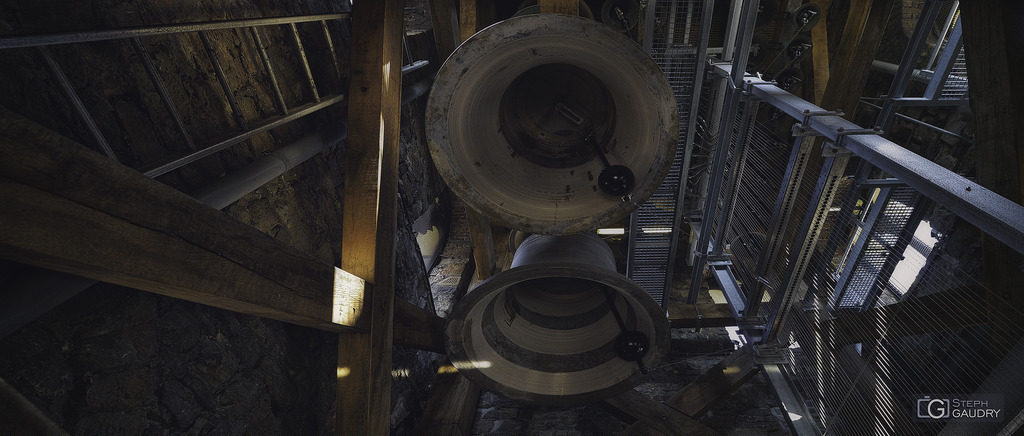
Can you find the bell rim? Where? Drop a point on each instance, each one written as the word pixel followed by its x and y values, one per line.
pixel 457 352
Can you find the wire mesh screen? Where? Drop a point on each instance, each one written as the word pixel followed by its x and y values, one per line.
pixel 765 166
pixel 654 231
pixel 876 371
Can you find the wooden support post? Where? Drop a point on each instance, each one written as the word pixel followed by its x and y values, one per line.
pixel 452 404
pixel 471 18
pixel 483 243
pixel 69 209
pixel 567 7
pixel 992 44
pixel 467 19
pixel 819 52
pixel 655 417
pixel 370 215
pixel 865 24
pixel 445 22
pixel 710 388
pixel 453 399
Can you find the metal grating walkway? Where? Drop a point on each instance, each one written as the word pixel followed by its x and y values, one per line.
pixel 654 226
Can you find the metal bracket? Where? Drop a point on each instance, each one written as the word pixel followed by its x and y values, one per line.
pixel 722 260
pixel 837 149
pixel 772 354
pixel 748 89
pixel 800 129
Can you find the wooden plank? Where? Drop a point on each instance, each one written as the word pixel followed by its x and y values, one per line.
pixel 468 24
pixel 655 415
pixel 70 209
pixel 369 222
pixel 483 243
pixel 453 400
pixel 418 328
pixel 819 51
pixel 992 45
pixel 19 416
pixel 445 22
pixel 710 388
pixel 452 404
pixel 711 315
pixel 944 311
pixel 865 24
pixel 700 395
pixel 567 7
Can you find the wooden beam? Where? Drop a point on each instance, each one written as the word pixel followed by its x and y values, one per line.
pixel 710 388
pixel 19 416
pixel 418 328
pixel 370 215
pixel 452 404
pixel 445 23
pixel 819 52
pixel 483 243
pixel 567 7
pixel 655 415
pixel 944 311
pixel 70 209
pixel 715 385
pixel 468 24
pixel 710 315
pixel 865 24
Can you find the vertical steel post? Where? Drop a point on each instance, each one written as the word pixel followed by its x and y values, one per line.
pixel 733 94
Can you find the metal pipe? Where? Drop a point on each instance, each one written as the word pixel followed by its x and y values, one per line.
pixel 891 68
pixel 267 124
pixel 135 32
pixel 247 179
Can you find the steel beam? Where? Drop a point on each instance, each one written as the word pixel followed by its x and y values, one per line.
pixel 990 212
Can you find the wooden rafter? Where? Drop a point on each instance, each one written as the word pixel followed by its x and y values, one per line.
pixel 369 221
pixel 134 231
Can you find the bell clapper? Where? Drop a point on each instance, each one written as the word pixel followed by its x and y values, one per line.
pixel 630 345
pixel 614 179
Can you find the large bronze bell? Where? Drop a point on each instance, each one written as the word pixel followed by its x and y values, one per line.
pixel 561 326
pixel 552 124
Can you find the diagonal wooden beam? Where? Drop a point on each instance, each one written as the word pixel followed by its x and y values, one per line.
pixel 370 215
pixel 710 388
pixel 653 415
pixel 69 209
pixel 452 404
